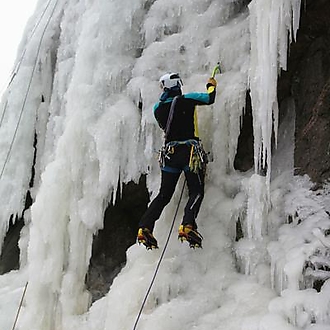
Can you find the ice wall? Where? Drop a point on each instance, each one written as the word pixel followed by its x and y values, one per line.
pixel 96 145
pixel 89 64
pixel 273 25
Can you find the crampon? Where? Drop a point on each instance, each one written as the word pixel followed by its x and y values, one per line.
pixel 192 236
pixel 146 238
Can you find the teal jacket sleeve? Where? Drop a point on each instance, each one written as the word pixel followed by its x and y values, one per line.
pixel 203 98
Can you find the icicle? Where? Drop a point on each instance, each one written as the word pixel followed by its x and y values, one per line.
pixel 270 23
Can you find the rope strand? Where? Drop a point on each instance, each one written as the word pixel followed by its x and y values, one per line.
pixel 18 65
pixel 20 306
pixel 27 91
pixel 160 259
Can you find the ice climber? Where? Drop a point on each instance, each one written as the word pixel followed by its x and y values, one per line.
pixel 176 115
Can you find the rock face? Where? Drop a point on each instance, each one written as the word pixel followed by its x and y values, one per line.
pixel 118 234
pixel 244 155
pixel 307 81
pixel 9 258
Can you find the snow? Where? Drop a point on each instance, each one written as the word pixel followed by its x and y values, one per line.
pixel 86 66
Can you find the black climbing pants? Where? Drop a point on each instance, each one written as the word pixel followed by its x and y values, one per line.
pixel 169 180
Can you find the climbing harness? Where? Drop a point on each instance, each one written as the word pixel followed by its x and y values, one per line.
pixel 198 157
pixel 160 259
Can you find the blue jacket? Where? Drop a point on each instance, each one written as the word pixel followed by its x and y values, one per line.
pixel 184 124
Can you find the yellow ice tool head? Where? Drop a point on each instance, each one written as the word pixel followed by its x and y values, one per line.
pixel 216 70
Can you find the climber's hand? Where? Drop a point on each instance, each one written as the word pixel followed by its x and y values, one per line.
pixel 211 82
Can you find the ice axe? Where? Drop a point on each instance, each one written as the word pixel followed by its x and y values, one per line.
pixel 216 70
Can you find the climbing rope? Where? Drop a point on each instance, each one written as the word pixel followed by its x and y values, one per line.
pixel 15 70
pixel 27 91
pixel 3 113
pixel 160 259
pixel 20 306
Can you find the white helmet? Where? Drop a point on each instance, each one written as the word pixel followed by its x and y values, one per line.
pixel 170 80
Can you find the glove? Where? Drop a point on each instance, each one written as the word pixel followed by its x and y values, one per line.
pixel 211 82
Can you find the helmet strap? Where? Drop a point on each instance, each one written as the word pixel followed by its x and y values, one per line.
pixel 170 92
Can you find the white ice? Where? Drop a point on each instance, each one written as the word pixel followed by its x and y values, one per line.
pixel 84 68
